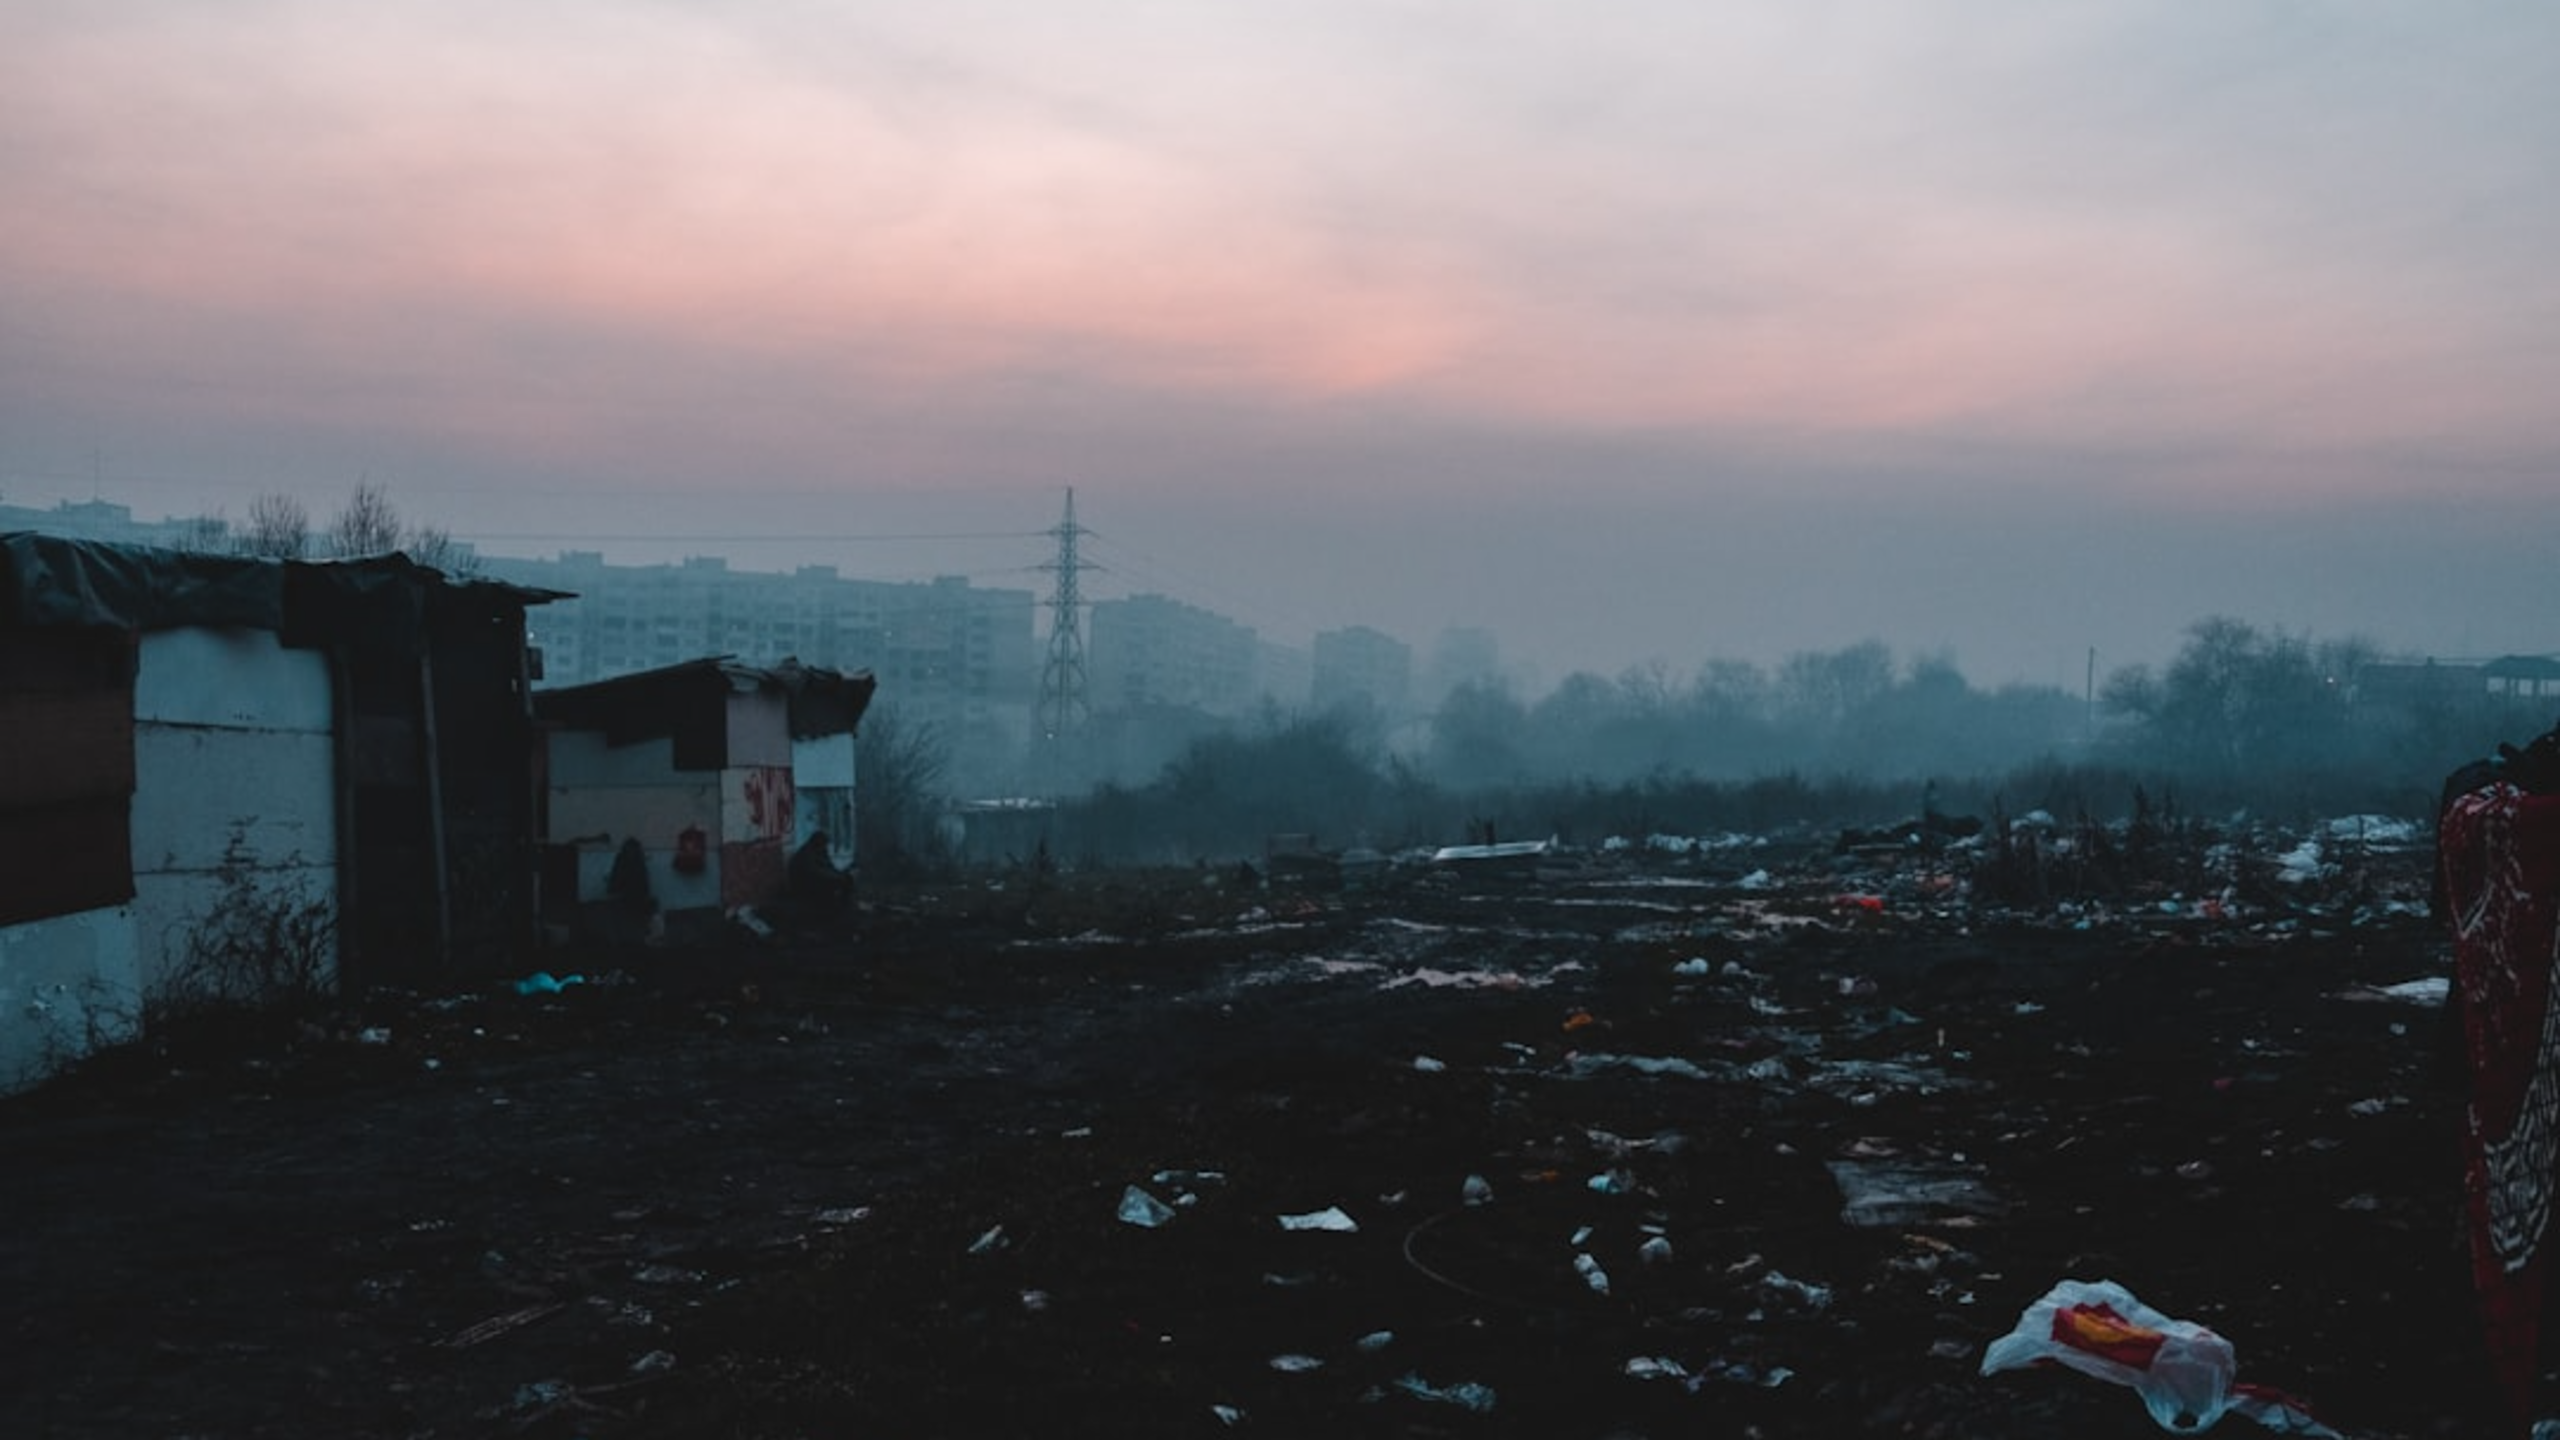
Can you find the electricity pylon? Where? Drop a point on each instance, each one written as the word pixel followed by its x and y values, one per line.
pixel 1062 708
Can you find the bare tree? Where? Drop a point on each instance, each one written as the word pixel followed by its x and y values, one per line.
pixel 369 525
pixel 205 535
pixel 434 547
pixel 898 767
pixel 278 527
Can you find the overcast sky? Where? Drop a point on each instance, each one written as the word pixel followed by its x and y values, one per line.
pixel 2003 329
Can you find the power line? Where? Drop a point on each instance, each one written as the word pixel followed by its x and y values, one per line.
pixel 798 538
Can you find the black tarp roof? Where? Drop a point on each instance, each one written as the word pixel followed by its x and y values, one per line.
pixel 687 700
pixel 59 581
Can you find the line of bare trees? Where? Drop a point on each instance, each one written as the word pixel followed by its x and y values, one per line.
pixel 279 526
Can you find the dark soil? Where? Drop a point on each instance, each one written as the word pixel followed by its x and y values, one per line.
pixel 864 1178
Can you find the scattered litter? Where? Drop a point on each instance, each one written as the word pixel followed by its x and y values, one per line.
pixel 544 1394
pixel 543 982
pixel 990 1242
pixel 1805 1293
pixel 1375 1340
pixel 1466 1394
pixel 2302 864
pixel 2182 1370
pixel 1227 1414
pixel 1656 1251
pixel 2427 990
pixel 1739 1372
pixel 656 1362
pixel 1330 1217
pixel 1431 978
pixel 1881 1194
pixel 1477 1191
pixel 498 1325
pixel 1295 1364
pixel 1427 1065
pixel 1591 1273
pixel 2376 830
pixel 1143 1210
pixel 1583 1066
pixel 1695 965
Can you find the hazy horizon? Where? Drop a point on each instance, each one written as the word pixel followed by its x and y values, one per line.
pixel 1993 330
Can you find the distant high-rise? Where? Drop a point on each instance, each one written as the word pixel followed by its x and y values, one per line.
pixel 1463 655
pixel 1152 650
pixel 947 654
pixel 1357 661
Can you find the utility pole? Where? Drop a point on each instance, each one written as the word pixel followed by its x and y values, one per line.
pixel 1062 709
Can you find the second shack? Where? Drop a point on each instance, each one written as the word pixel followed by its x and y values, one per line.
pixel 712 772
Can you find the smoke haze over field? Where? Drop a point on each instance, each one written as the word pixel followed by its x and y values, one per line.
pixel 2004 330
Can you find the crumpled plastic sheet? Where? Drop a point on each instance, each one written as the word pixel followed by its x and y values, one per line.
pixel 2183 1371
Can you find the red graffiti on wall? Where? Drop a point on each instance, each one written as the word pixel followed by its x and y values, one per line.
pixel 769 802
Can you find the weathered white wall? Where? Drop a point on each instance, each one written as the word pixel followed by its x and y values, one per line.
pixel 618 791
pixel 66 985
pixel 235 787
pixel 601 794
pixel 759 728
pixel 234 803
pixel 822 773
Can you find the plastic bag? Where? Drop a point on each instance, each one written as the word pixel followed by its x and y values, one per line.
pixel 2183 1371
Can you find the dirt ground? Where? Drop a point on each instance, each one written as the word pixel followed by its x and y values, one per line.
pixel 1665 1145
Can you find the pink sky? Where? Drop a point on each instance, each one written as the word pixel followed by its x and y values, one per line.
pixel 2008 270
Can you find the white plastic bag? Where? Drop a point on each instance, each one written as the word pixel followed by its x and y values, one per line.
pixel 2183 1371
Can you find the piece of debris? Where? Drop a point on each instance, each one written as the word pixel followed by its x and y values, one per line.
pixel 1330 1217
pixel 2182 1370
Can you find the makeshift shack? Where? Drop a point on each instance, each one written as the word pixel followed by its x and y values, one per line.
pixel 251 779
pixel 703 778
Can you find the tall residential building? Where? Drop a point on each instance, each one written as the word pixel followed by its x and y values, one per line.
pixel 946 654
pixel 105 520
pixel 1463 655
pixel 1149 650
pixel 1360 662
pixel 1282 674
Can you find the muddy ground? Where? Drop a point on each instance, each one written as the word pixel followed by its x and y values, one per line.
pixel 1823 1124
